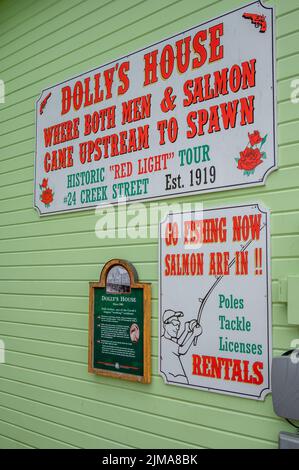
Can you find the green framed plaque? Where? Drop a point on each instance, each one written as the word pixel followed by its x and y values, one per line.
pixel 119 324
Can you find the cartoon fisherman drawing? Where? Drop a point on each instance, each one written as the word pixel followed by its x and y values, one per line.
pixel 174 346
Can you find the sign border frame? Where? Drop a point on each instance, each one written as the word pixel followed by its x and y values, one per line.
pixel 264 392
pixel 146 287
pixel 245 185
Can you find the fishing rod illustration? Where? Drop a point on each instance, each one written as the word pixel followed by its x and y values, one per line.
pixel 203 300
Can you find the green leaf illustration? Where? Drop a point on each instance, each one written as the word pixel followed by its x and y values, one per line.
pixel 264 140
pixel 264 155
pixel 249 172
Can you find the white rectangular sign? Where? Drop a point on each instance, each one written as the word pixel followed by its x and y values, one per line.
pixel 215 301
pixel 193 113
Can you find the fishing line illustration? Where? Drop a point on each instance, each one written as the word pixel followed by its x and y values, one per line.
pixel 203 300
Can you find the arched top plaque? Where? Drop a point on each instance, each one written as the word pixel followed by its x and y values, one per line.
pixel 119 324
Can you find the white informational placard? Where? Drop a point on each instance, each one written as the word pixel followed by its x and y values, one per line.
pixel 215 301
pixel 191 114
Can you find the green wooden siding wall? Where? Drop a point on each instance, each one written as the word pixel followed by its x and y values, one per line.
pixel 47 397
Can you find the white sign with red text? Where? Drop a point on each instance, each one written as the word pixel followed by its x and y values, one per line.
pixel 215 301
pixel 193 113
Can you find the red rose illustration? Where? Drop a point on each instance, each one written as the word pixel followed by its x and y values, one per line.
pixel 47 196
pixel 250 159
pixel 45 183
pixel 255 138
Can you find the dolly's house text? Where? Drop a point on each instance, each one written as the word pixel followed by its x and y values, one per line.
pixel 189 114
